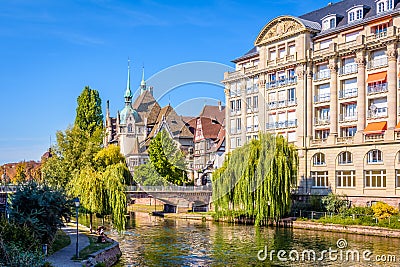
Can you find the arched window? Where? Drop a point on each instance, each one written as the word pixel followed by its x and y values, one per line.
pixel 374 156
pixel 381 7
pixel 129 128
pixel 319 159
pixel 345 157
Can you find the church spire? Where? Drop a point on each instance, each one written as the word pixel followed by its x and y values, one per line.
pixel 143 83
pixel 128 93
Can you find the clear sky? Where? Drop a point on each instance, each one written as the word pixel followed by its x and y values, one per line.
pixel 49 50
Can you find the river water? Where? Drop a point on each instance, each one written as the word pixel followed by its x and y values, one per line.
pixel 155 241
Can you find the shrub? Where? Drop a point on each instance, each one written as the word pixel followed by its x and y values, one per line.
pixel 383 210
pixel 335 203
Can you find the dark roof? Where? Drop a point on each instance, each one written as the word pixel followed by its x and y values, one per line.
pixel 251 53
pixel 147 107
pixel 214 112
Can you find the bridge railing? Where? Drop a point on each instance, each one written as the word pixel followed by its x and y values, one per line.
pixel 8 188
pixel 169 188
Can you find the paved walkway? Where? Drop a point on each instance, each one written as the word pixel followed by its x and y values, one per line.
pixel 62 258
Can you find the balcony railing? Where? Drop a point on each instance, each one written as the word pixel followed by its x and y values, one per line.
pixel 281 82
pixel 322 98
pixel 282 124
pixel 377 35
pixel 322 120
pixel 377 88
pixel 323 74
pixel 348 93
pixel 377 113
pixel 377 63
pixel 374 137
pixel 282 103
pixel 273 105
pixel 348 117
pixel 345 140
pixel 347 45
pixel 348 69
pixel 318 141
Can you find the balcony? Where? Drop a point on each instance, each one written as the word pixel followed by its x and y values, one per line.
pixel 377 63
pixel 377 36
pixel 321 120
pixel 273 105
pixel 282 103
pixel 250 69
pixel 348 69
pixel 348 93
pixel 345 140
pixel 348 117
pixel 322 75
pixel 348 45
pixel 374 137
pixel 318 141
pixel 378 88
pixel 377 113
pixel 282 124
pixel 322 98
pixel 281 82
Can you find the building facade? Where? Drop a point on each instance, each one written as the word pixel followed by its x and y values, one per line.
pixel 328 81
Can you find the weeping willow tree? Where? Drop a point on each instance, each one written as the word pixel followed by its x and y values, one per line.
pixel 255 180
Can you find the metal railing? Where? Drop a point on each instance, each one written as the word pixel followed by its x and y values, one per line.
pixel 281 82
pixel 347 93
pixel 377 113
pixel 281 124
pixel 322 74
pixel 322 98
pixel 321 120
pixel 377 63
pixel 348 117
pixel 377 88
pixel 8 188
pixel 168 188
pixel 348 69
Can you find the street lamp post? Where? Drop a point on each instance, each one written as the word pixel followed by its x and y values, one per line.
pixel 76 201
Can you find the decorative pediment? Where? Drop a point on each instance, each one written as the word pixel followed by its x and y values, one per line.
pixel 278 28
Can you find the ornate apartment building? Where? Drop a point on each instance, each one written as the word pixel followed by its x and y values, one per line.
pixel 328 81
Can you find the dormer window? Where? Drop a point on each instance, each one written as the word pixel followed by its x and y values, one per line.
pixel 329 22
pixel 384 5
pixel 356 13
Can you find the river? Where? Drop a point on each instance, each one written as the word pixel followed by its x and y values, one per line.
pixel 155 241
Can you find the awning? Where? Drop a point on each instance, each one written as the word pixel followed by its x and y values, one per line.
pixel 375 127
pixel 397 127
pixel 376 77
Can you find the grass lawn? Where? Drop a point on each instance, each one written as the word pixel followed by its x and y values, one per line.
pixel 93 247
pixel 61 240
pixel 144 208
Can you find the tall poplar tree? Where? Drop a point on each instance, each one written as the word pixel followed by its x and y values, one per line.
pixel 89 117
pixel 255 180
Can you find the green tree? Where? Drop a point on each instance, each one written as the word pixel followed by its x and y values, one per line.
pixel 167 159
pixel 89 117
pixel 255 180
pixel 41 209
pixel 335 203
pixel 20 173
pixel 147 175
pixel 55 172
pixel 108 156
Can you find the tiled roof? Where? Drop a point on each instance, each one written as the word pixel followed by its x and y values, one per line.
pixel 214 113
pixel 147 107
pixel 209 127
pixel 251 53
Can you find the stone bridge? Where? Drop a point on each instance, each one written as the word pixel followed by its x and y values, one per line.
pixel 197 198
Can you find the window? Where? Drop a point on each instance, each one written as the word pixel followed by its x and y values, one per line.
pixel 129 128
pixel 322 134
pixel 332 23
pixel 351 16
pixel 320 179
pixel 233 126
pixel 397 178
pixel 359 14
pixel 375 178
pixel 346 178
pixel 291 136
pixel 325 44
pixel 381 7
pixel 282 52
pixel 233 89
pixel 292 49
pixel 345 158
pixel 291 94
pixel 319 159
pixel 255 122
pixel 272 55
pixel 233 106
pixel 248 103
pixel 351 36
pixel 272 77
pixel 249 123
pixel 238 142
pixel 374 156
pixel 348 131
pixel 255 102
pixel 238 125
pixel 238 105
pixel 233 142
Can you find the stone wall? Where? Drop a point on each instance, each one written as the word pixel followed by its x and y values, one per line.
pixel 109 256
pixel 351 229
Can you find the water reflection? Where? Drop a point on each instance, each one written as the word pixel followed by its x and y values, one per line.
pixel 154 241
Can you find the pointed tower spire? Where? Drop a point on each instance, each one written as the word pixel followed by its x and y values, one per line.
pixel 143 86
pixel 128 93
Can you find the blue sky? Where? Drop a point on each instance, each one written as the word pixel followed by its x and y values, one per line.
pixel 49 50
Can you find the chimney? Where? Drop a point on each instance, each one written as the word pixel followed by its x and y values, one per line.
pixel 220 105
